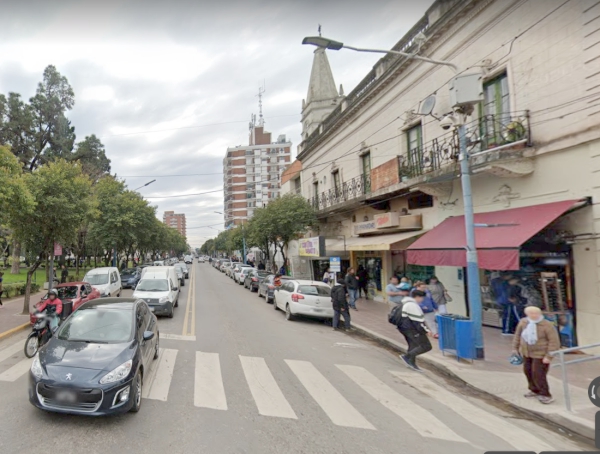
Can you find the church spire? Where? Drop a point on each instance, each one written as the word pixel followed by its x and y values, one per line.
pixel 322 85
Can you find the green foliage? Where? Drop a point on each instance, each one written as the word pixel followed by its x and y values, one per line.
pixel 19 288
pixel 14 193
pixel 91 155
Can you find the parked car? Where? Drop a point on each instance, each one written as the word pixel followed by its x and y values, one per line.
pixel 130 277
pixel 159 263
pixel 306 298
pixel 72 295
pixel 266 287
pixel 241 272
pixel 229 269
pixel 224 266
pixel 180 276
pixel 253 278
pixel 201 260
pixel 93 364
pixel 158 287
pixel 106 280
pixel 184 269
pixel 188 259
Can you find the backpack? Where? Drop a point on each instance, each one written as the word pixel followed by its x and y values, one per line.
pixel 395 315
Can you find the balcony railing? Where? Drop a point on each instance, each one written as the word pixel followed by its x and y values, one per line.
pixel 349 190
pixel 483 134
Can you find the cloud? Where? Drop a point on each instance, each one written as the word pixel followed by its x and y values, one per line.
pixel 168 86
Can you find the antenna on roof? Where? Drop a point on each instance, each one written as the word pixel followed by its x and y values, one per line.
pixel 319 29
pixel 261 90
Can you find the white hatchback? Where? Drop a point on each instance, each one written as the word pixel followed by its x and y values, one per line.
pixel 240 273
pixel 306 298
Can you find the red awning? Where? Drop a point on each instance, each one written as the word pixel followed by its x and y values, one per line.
pixel 497 244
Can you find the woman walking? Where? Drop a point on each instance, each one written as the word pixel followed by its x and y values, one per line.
pixel 534 339
pixel 439 294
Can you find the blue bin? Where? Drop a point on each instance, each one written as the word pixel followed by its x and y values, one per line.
pixel 456 336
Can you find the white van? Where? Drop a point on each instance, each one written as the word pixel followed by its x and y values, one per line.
pixel 107 280
pixel 159 288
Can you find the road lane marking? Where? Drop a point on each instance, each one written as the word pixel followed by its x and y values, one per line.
pixel 339 410
pixel 426 424
pixel 267 395
pixel 17 370
pixel 192 331
pixel 209 391
pixel 520 439
pixel 177 337
pixel 161 375
pixel 11 350
pixel 189 307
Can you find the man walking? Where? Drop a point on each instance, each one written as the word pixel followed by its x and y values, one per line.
pixel 413 328
pixel 394 294
pixel 339 299
pixel 363 281
pixel 351 282
pixel 64 274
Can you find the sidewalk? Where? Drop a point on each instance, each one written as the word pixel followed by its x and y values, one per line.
pixel 11 319
pixel 495 375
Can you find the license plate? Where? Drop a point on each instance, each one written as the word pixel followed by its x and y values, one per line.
pixel 66 396
pixel 151 309
pixel 318 310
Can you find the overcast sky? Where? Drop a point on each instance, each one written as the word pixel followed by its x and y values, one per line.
pixel 168 86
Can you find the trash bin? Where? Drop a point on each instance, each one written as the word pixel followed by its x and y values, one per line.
pixel 456 336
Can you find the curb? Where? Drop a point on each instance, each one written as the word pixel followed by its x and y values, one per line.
pixel 14 330
pixel 576 425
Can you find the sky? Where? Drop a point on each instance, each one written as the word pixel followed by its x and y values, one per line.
pixel 168 86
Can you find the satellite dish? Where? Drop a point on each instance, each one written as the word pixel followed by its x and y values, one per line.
pixel 427 105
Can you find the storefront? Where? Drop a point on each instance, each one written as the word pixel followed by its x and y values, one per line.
pixel 513 242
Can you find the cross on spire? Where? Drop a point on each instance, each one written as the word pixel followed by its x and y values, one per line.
pixel 319 29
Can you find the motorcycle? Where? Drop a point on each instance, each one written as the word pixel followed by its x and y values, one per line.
pixel 40 333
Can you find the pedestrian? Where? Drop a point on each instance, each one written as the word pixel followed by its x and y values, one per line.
pixel 500 286
pixel 339 300
pixel 394 294
pixel 516 297
pixel 261 266
pixel 329 277
pixel 363 281
pixel 64 273
pixel 1 279
pixel 428 307
pixel 351 282
pixel 439 294
pixel 412 327
pixel 535 337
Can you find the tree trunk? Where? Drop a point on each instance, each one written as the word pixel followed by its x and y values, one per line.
pixel 16 258
pixel 77 266
pixel 30 273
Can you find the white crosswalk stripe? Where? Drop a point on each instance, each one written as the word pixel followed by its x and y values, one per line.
pixel 426 424
pixel 16 371
pixel 161 373
pixel 339 410
pixel 11 350
pixel 520 439
pixel 269 399
pixel 209 391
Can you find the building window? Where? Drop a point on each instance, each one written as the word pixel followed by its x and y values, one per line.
pixel 420 200
pixel 249 152
pixel 297 186
pixel 365 161
pixel 495 110
pixel 337 184
pixel 414 142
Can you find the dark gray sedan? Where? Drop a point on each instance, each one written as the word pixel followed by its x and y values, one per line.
pixel 253 279
pixel 266 287
pixel 95 363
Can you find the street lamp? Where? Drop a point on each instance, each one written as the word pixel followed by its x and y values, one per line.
pixel 473 284
pixel 147 184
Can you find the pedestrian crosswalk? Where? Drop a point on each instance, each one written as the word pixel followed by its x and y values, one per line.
pixel 326 390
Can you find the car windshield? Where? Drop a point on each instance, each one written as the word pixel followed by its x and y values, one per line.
pixel 96 279
pixel 153 285
pixel 66 293
pixel 261 274
pixel 128 272
pixel 96 325
pixel 316 290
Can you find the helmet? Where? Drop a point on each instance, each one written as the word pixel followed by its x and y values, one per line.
pixel 53 292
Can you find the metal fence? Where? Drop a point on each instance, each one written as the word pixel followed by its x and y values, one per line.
pixel 348 190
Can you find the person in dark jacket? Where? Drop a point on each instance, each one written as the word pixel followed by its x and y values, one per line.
pixel 363 281
pixel 339 300
pixel 64 273
pixel 413 328
pixel 351 282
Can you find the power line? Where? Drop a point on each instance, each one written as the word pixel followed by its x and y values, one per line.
pixel 181 195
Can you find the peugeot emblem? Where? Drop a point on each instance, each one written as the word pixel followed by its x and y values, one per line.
pixel 69 376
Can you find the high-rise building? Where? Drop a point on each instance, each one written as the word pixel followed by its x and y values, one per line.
pixel 252 173
pixel 175 221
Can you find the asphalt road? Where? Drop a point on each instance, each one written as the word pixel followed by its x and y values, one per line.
pixel 235 377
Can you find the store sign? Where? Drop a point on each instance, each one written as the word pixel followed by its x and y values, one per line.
pixel 312 247
pixel 365 227
pixel 335 263
pixel 386 220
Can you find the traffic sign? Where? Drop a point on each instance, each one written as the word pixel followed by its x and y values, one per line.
pixel 335 263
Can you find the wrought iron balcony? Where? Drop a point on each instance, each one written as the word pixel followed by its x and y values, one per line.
pixel 348 190
pixel 483 134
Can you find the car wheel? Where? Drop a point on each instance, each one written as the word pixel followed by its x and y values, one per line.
pixel 156 347
pixel 136 392
pixel 258 292
pixel 288 313
pixel 119 294
pixel 177 302
pixel 172 312
pixel 183 283
pixel 272 302
pixel 32 345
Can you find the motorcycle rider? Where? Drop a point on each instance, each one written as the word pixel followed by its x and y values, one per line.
pixel 52 300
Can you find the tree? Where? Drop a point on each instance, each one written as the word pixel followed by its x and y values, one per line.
pixel 16 127
pixel 62 202
pixel 91 155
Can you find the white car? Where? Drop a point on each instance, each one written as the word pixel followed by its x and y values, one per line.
pixel 240 273
pixel 107 280
pixel 306 298
pixel 229 269
pixel 200 259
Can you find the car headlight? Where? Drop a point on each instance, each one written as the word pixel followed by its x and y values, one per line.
pixel 118 373
pixel 36 368
pixel 163 300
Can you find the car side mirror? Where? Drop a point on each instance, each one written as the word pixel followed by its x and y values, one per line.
pixel 175 288
pixel 148 335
